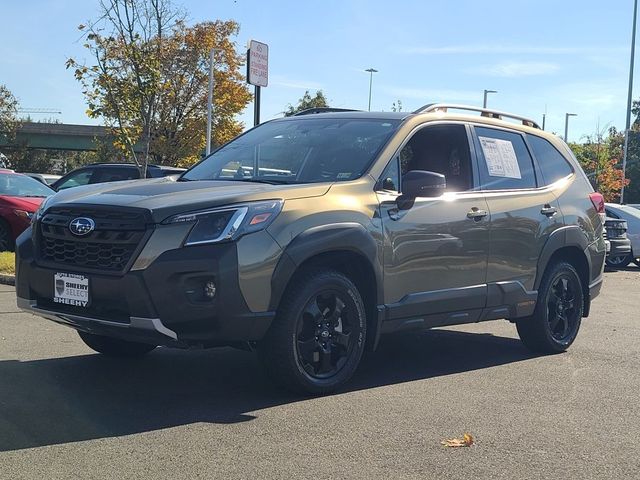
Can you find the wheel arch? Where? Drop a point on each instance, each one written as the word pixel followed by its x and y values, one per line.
pixel 567 244
pixel 345 247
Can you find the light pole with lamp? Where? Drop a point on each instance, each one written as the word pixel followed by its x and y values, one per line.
pixel 371 72
pixel 484 101
pixel 628 123
pixel 210 100
pixel 566 125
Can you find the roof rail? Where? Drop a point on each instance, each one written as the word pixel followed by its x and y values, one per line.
pixel 310 111
pixel 484 112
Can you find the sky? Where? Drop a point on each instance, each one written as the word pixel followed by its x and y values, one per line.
pixel 540 55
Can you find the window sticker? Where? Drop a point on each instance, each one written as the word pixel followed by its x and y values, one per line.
pixel 500 157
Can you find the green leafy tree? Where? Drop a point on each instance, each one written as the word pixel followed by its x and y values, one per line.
pixel 8 113
pixel 148 78
pixel 307 102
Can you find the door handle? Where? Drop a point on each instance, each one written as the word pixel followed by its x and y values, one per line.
pixel 476 214
pixel 548 210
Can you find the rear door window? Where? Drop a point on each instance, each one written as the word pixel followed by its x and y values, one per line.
pixel 115 174
pixel 504 160
pixel 552 163
pixel 81 177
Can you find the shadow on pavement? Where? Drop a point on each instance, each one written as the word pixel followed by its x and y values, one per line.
pixel 60 400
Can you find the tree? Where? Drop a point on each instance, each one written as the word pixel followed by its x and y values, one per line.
pixel 149 77
pixel 600 158
pixel 8 113
pixel 181 114
pixel 307 102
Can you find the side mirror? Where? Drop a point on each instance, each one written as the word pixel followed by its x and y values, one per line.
pixel 422 183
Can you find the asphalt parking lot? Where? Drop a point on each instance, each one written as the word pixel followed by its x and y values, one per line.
pixel 68 413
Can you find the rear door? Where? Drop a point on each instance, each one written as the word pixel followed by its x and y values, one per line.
pixel 523 211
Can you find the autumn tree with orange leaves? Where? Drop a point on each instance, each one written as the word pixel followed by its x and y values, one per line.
pixel 148 76
pixel 601 158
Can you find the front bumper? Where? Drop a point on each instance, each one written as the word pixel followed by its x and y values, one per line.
pixel 162 304
pixel 146 330
pixel 619 247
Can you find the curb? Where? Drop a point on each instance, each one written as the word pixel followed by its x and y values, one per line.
pixel 7 279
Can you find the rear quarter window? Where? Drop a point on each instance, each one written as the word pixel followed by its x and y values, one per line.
pixel 553 164
pixel 504 160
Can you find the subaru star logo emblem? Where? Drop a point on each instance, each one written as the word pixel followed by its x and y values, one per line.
pixel 82 226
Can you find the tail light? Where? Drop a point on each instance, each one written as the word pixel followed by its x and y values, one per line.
pixel 598 202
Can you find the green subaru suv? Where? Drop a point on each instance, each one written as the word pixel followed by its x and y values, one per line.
pixel 309 237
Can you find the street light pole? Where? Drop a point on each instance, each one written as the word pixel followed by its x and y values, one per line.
pixel 484 101
pixel 566 124
pixel 371 72
pixel 210 101
pixel 628 123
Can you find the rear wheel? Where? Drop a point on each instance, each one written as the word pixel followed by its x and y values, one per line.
pixel 619 262
pixel 556 319
pixel 114 347
pixel 317 339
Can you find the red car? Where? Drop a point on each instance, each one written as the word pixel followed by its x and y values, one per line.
pixel 20 197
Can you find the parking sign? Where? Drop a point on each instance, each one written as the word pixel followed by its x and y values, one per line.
pixel 258 64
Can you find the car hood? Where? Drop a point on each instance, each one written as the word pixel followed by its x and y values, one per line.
pixel 28 204
pixel 164 197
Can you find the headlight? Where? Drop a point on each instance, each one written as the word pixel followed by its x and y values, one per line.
pixel 23 214
pixel 228 223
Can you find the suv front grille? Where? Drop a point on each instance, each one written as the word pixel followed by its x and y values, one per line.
pixel 110 247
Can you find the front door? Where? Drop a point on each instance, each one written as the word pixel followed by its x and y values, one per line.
pixel 435 249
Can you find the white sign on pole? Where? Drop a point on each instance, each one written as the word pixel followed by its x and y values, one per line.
pixel 258 64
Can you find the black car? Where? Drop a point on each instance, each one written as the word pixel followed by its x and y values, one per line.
pixel 110 172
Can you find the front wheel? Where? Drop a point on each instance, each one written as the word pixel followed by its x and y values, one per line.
pixel 114 347
pixel 556 319
pixel 317 339
pixel 619 262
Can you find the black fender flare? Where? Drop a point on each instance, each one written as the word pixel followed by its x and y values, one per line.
pixel 343 236
pixel 568 236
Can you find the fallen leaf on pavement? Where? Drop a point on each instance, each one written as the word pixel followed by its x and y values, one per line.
pixel 465 441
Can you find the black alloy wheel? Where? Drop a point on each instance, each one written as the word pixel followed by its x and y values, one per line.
pixel 557 317
pixel 562 314
pixel 317 339
pixel 324 340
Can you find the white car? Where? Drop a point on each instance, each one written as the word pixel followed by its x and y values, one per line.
pixel 632 216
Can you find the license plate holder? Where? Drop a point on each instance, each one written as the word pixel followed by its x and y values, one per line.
pixel 71 289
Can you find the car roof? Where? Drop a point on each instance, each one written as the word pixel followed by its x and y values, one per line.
pixel 347 114
pixel 439 112
pixel 109 165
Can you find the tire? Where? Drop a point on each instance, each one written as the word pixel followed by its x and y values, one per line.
pixel 114 347
pixel 318 336
pixel 619 262
pixel 556 319
pixel 6 237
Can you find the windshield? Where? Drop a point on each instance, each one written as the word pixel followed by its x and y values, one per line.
pixel 299 151
pixel 23 186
